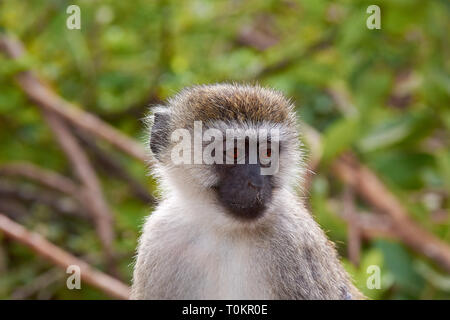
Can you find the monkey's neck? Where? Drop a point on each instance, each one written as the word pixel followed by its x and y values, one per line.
pixel 204 209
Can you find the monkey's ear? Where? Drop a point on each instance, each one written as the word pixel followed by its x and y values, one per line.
pixel 159 138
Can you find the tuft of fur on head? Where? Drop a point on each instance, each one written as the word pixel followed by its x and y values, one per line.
pixel 222 106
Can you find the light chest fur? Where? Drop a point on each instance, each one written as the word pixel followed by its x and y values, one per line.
pixel 190 257
pixel 198 252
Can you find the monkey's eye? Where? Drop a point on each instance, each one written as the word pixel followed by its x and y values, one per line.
pixel 265 151
pixel 265 155
pixel 233 155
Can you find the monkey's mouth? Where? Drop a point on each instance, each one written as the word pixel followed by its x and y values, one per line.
pixel 243 205
pixel 238 205
pixel 246 211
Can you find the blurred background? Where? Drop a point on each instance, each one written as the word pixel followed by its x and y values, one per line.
pixel 375 108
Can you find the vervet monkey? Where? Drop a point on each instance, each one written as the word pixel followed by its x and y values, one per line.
pixel 226 230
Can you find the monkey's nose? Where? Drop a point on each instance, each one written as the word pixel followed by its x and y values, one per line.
pixel 255 185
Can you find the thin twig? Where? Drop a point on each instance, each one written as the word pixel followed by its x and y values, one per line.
pixel 3 258
pixel 43 176
pixel 370 225
pixel 39 283
pixel 366 183
pixel 113 167
pixel 13 208
pixel 64 205
pixel 354 232
pixel 63 259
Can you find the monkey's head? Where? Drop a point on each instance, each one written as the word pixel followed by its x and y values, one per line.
pixel 238 144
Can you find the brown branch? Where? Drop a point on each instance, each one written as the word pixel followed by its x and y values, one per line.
pixel 46 178
pixel 354 232
pixel 91 190
pixel 259 35
pixel 64 205
pixel 373 191
pixel 370 225
pixel 365 182
pixel 43 96
pixel 13 208
pixel 63 259
pixel 37 284
pixel 43 176
pixel 113 167
pixel 3 258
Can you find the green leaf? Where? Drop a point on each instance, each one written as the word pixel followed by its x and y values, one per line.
pixel 401 264
pixel 339 137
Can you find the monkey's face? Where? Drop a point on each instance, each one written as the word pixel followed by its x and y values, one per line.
pixel 242 188
pixel 190 141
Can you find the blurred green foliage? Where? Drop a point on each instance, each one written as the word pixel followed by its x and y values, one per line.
pixel 128 53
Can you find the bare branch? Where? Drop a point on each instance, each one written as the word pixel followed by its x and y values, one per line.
pixel 113 167
pixel 366 183
pixel 43 176
pixel 3 258
pixel 354 232
pixel 63 259
pixel 373 191
pixel 64 205
pixel 92 193
pixel 39 283
pixel 13 208
pixel 44 97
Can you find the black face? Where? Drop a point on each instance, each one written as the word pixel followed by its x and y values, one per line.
pixel 241 189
